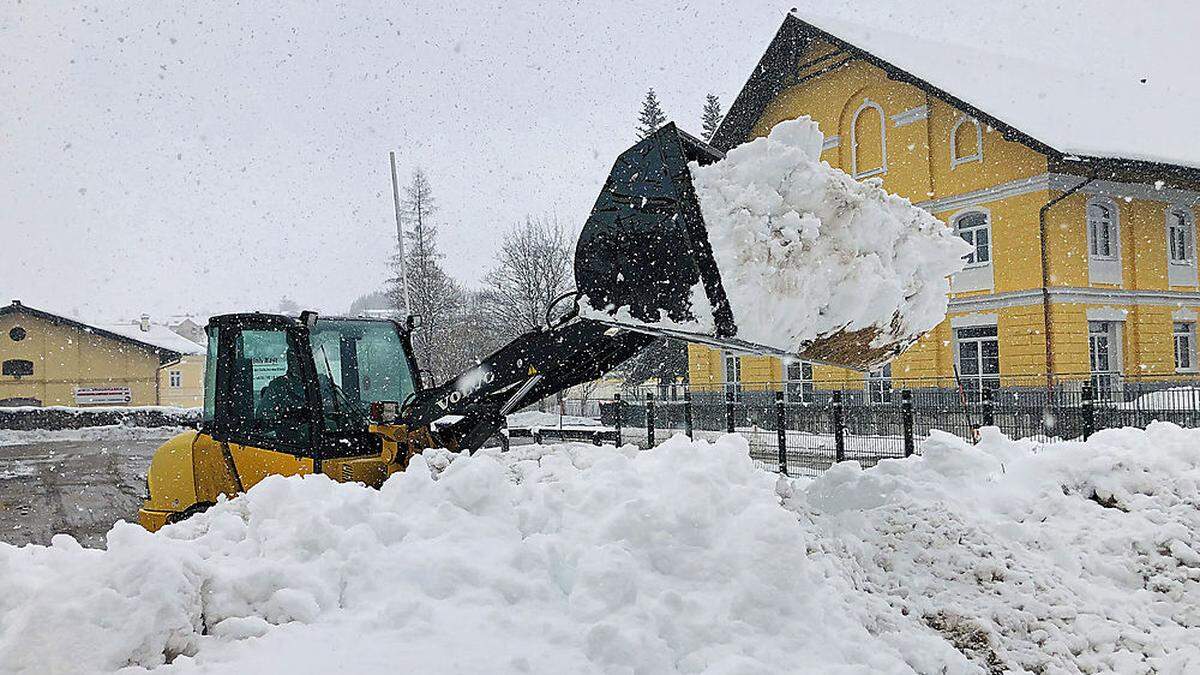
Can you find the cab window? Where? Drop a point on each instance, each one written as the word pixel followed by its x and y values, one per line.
pixel 358 363
pixel 266 397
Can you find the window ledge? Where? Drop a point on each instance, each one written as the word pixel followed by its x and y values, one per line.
pixel 1187 264
pixel 976 266
pixel 957 162
pixel 1187 371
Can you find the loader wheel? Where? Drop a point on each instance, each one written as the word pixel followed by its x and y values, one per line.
pixel 180 516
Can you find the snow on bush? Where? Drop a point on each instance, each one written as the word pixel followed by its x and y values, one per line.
pixel 805 251
pixel 1071 557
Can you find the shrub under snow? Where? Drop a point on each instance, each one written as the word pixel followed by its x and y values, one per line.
pixel 1071 557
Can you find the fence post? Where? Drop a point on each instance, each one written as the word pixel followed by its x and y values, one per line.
pixel 1089 412
pixel 617 403
pixel 989 410
pixel 649 419
pixel 781 430
pixel 729 412
pixel 687 414
pixel 839 428
pixel 906 412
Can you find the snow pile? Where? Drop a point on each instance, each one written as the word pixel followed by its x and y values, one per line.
pixel 685 558
pixel 1173 399
pixel 537 418
pixel 806 251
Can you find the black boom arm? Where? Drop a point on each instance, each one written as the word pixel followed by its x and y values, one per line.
pixel 535 365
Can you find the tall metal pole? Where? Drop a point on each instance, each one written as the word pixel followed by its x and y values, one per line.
pixel 400 235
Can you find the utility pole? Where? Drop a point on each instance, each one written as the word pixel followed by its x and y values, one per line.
pixel 400 235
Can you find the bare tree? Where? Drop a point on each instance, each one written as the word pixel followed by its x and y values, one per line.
pixel 534 269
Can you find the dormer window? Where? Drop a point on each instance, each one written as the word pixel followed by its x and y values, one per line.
pixel 966 141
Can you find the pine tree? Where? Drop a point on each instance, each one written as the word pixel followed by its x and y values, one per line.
pixel 652 116
pixel 434 294
pixel 712 116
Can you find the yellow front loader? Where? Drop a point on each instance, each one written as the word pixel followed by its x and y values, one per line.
pixel 343 397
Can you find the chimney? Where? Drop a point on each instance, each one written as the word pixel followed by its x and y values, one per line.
pixel 144 324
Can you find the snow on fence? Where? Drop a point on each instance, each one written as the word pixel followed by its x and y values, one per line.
pixel 869 424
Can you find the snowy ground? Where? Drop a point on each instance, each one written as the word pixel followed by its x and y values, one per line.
pixel 1072 557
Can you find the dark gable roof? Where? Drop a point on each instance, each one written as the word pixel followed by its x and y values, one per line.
pixel 783 59
pixel 164 355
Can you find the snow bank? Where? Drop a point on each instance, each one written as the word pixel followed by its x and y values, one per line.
pixel 685 558
pixel 109 432
pixel 805 251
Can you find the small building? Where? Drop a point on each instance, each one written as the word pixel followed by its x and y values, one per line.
pixel 48 359
pixel 1078 194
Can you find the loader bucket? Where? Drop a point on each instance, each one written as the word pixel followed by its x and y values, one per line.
pixel 645 248
pixel 645 245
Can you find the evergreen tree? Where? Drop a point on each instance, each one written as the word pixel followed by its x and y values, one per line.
pixel 652 116
pixel 434 295
pixel 712 116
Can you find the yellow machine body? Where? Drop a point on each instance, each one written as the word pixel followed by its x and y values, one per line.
pixel 191 471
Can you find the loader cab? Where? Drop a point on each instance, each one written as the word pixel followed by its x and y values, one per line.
pixel 303 386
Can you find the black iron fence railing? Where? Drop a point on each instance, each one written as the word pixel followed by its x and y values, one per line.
pixel 798 428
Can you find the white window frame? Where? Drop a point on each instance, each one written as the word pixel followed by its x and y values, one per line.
pixel 174 379
pixel 879 384
pixel 803 382
pixel 1103 269
pixel 980 377
pixel 882 168
pixel 1180 271
pixel 987 225
pixel 977 156
pixel 729 359
pixel 1185 331
pixel 1181 219
pixel 1105 381
pixel 1114 227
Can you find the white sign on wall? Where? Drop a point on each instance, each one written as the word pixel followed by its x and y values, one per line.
pixel 99 395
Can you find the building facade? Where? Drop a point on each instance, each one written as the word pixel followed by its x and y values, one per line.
pixel 1083 269
pixel 48 359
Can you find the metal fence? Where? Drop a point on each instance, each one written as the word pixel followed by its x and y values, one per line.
pixel 796 429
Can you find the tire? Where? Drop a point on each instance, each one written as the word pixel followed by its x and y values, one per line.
pixel 180 516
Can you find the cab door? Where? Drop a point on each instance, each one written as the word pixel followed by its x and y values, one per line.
pixel 262 413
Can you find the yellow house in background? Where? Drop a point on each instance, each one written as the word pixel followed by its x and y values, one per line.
pixel 1084 264
pixel 47 359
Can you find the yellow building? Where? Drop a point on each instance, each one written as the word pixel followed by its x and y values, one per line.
pixel 1085 251
pixel 49 359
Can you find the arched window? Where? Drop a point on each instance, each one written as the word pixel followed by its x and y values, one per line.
pixel 1102 229
pixel 966 141
pixel 976 229
pixel 868 141
pixel 1181 241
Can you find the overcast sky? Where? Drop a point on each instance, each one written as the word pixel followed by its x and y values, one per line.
pixel 180 158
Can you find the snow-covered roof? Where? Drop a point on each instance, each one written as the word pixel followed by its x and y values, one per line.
pixel 1099 111
pixel 156 336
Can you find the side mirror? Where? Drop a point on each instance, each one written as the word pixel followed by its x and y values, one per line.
pixel 413 322
pixel 308 318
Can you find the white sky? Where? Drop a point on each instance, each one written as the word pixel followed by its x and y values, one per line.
pixel 174 157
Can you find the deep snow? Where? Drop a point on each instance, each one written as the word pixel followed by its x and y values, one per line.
pixel 804 250
pixel 1070 557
